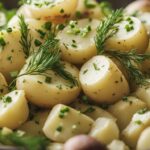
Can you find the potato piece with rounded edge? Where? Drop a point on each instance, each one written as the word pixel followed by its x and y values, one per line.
pixel 13 109
pixel 143 93
pixel 3 85
pixel 105 130
pixel 34 126
pixel 143 141
pixel 64 122
pixel 130 105
pixel 77 43
pixel 57 11
pixel 131 35
pixel 3 20
pixel 139 122
pixel 117 145
pixel 49 91
pixel 55 146
pixel 136 6
pixel 12 57
pixel 38 30
pixel 92 111
pixel 102 81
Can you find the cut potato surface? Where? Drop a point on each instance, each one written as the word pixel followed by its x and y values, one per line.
pixel 65 122
pixel 52 89
pixel 77 40
pixel 143 141
pixel 13 109
pixel 12 57
pixel 3 85
pixel 55 11
pixel 117 145
pixel 2 19
pixel 129 105
pixel 105 130
pixel 139 122
pixel 102 81
pixel 35 125
pixel 131 35
pixel 55 146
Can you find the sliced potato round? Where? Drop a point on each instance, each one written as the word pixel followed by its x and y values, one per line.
pixel 136 6
pixel 13 109
pixel 131 35
pixel 3 85
pixel 77 40
pixel 2 19
pixel 102 81
pixel 55 11
pixel 143 141
pixel 105 130
pixel 34 126
pixel 12 57
pixel 49 91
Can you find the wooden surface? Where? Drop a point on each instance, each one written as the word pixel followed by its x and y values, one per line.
pixel 116 3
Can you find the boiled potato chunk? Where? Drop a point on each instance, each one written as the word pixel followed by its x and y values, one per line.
pixel 65 122
pixel 143 93
pixel 2 19
pixel 55 146
pixel 56 11
pixel 131 35
pixel 105 130
pixel 34 126
pixel 139 122
pixel 138 6
pixel 51 90
pixel 13 109
pixel 12 57
pixel 38 30
pixel 92 111
pixel 129 105
pixel 143 141
pixel 102 81
pixel 77 40
pixel 3 85
pixel 117 145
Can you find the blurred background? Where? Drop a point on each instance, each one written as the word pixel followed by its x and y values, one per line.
pixel 116 3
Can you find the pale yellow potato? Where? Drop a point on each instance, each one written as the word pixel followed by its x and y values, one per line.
pixel 117 145
pixel 3 85
pixel 12 57
pixel 94 12
pixel 129 105
pixel 55 146
pixel 57 11
pixel 37 30
pixel 138 6
pixel 136 38
pixel 13 109
pixel 132 132
pixel 91 110
pixel 76 48
pixel 105 130
pixel 143 141
pixel 143 93
pixel 64 122
pixel 2 19
pixel 102 81
pixel 48 94
pixel 34 126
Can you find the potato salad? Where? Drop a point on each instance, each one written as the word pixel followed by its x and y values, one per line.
pixel 75 75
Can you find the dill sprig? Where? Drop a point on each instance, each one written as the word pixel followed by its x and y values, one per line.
pixel 26 38
pixel 130 61
pixel 107 28
pixel 48 58
pixel 24 141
